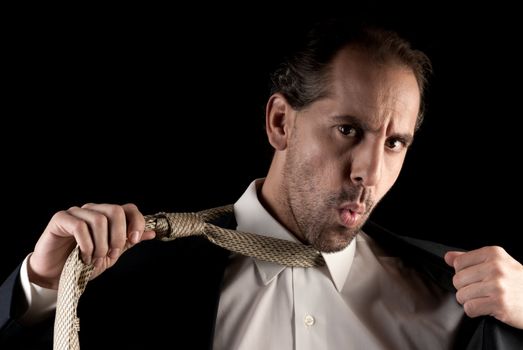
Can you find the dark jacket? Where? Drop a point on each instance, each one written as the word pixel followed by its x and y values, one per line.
pixel 165 296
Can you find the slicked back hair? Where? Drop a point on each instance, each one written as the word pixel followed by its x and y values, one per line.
pixel 303 77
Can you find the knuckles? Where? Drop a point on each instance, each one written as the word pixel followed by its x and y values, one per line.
pixel 80 227
pixel 496 256
pixel 496 251
pixel 131 206
pixel 498 269
pixel 100 221
pixel 59 215
pixel 470 309
pixel 115 211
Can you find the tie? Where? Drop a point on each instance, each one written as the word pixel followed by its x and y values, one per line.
pixel 169 226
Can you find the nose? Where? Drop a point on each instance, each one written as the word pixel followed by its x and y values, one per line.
pixel 367 163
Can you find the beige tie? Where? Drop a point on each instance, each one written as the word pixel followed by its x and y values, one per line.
pixel 169 226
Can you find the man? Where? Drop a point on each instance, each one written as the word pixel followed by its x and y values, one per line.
pixel 341 117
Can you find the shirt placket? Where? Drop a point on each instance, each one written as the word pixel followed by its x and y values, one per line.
pixel 308 319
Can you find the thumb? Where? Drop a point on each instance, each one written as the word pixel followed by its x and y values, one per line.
pixel 450 256
pixel 148 235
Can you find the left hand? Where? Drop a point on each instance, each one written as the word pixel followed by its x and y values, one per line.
pixel 489 282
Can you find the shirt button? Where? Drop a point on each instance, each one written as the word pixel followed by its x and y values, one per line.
pixel 308 320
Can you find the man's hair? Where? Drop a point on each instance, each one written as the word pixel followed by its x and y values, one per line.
pixel 304 77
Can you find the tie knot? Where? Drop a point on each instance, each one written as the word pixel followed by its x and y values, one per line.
pixel 169 226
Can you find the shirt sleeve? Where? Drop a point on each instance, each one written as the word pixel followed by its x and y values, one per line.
pixel 41 302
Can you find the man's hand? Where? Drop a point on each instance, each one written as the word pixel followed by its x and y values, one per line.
pixel 103 232
pixel 489 282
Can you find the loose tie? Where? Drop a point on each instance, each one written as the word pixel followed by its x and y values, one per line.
pixel 169 226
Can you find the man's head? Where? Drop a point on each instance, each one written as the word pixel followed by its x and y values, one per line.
pixel 304 77
pixel 341 116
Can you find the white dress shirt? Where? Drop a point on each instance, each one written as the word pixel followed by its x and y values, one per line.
pixel 361 299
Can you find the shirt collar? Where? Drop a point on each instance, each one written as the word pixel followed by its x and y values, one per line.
pixel 252 217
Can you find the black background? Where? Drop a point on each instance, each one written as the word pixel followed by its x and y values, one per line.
pixel 163 107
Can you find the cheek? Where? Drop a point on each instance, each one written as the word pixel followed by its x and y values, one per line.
pixel 316 151
pixel 321 159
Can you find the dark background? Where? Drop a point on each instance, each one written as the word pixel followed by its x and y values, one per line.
pixel 163 107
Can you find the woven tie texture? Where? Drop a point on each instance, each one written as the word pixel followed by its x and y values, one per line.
pixel 169 226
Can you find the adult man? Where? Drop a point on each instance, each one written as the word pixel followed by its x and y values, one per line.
pixel 341 117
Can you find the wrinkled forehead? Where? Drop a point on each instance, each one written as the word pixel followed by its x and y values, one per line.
pixel 375 90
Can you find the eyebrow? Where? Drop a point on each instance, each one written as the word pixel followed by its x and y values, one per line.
pixel 408 138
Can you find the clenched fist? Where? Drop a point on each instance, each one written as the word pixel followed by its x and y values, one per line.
pixel 103 232
pixel 489 282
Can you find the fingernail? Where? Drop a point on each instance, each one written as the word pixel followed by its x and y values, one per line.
pixel 114 253
pixel 98 262
pixel 86 259
pixel 135 237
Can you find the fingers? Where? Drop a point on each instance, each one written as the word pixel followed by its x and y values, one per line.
pixel 479 307
pixel 472 274
pixel 116 229
pixel 67 225
pixel 135 223
pixel 462 260
pixel 475 291
pixel 106 230
pixel 489 282
pixel 102 231
pixel 477 265
pixel 93 225
pixel 484 298
pixel 136 226
pixel 451 256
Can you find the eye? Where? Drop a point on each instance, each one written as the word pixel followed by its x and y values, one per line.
pixel 396 145
pixel 348 130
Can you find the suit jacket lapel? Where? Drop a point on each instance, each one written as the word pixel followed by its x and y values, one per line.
pixel 423 255
pixel 427 257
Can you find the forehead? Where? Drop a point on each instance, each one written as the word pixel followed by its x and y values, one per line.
pixel 376 91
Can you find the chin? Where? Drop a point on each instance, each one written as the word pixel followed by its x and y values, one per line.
pixel 335 242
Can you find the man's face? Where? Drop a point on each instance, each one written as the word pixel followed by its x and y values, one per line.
pixel 344 152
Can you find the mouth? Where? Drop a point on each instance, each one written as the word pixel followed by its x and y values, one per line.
pixel 350 215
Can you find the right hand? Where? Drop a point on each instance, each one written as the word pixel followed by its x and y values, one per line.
pixel 103 232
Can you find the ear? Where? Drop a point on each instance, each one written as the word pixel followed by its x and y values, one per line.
pixel 279 118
